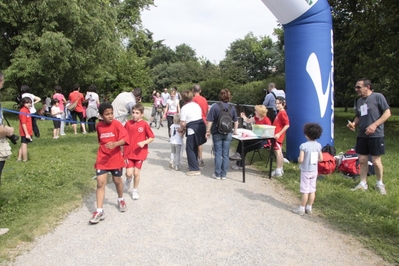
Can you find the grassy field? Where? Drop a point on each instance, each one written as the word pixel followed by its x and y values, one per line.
pixel 35 196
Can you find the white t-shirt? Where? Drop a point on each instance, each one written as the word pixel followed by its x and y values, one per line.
pixel 165 96
pixel 122 106
pixel 92 98
pixel 56 109
pixel 32 97
pixel 172 109
pixel 175 137
pixel 190 112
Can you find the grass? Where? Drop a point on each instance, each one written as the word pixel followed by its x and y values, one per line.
pixel 370 217
pixel 37 195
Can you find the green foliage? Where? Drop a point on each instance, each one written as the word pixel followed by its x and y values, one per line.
pixel 50 42
pixel 248 59
pixel 211 88
pixel 365 38
pixel 251 93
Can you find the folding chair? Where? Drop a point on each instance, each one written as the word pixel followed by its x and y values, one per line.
pixel 267 147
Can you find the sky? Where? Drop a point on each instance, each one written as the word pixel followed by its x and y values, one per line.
pixel 208 26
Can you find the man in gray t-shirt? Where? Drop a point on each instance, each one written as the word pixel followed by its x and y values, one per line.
pixel 372 110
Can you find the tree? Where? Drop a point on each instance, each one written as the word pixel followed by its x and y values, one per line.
pixel 365 37
pixel 185 53
pixel 50 42
pixel 248 59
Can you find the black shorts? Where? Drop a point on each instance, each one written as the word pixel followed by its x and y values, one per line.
pixel 372 146
pixel 57 123
pixel 75 115
pixel 114 172
pixel 25 140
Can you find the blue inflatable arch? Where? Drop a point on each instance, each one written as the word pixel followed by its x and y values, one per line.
pixel 309 68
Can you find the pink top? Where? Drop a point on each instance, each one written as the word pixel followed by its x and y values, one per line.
pixel 60 98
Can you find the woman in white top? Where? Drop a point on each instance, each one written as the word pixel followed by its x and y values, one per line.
pixel 25 92
pixel 172 108
pixel 92 107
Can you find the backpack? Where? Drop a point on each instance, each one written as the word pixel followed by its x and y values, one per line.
pixel 330 149
pixel 225 122
pixel 327 166
pixel 350 164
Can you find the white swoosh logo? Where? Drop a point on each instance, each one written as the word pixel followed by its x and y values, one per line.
pixel 313 69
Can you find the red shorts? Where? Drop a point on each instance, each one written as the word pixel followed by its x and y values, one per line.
pixel 277 145
pixel 134 163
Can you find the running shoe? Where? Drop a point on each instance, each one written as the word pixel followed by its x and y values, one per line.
pixel 360 187
pixel 192 173
pixel 215 176
pixel 135 195
pixel 122 205
pixel 381 189
pixel 299 211
pixel 97 216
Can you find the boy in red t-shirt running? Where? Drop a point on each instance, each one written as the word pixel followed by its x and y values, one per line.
pixel 282 123
pixel 111 136
pixel 140 135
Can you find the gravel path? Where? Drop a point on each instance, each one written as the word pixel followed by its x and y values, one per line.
pixel 182 220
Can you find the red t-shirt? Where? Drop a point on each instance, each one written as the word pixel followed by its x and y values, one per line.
pixel 203 103
pixel 280 121
pixel 138 131
pixel 76 95
pixel 25 119
pixel 108 159
pixel 264 121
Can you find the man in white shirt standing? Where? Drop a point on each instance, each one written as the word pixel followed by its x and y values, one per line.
pixel 165 96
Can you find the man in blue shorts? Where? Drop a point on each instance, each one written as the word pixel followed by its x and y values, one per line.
pixel 372 110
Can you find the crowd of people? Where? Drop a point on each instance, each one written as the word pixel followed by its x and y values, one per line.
pixel 190 123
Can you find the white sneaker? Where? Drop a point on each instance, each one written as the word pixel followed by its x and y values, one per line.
pixel 135 195
pixel 277 173
pixel 127 184
pixel 299 211
pixel 236 167
pixel 360 187
pixel 171 164
pixel 381 189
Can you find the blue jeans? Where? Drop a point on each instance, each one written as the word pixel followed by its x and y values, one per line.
pixel 221 146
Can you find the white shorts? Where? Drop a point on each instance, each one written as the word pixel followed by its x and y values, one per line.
pixel 308 182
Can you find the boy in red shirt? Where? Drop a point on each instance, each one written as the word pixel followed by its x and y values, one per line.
pixel 282 123
pixel 140 135
pixel 111 136
pixel 25 128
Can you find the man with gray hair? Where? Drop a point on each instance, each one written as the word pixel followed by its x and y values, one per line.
pixel 124 102
pixel 270 100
